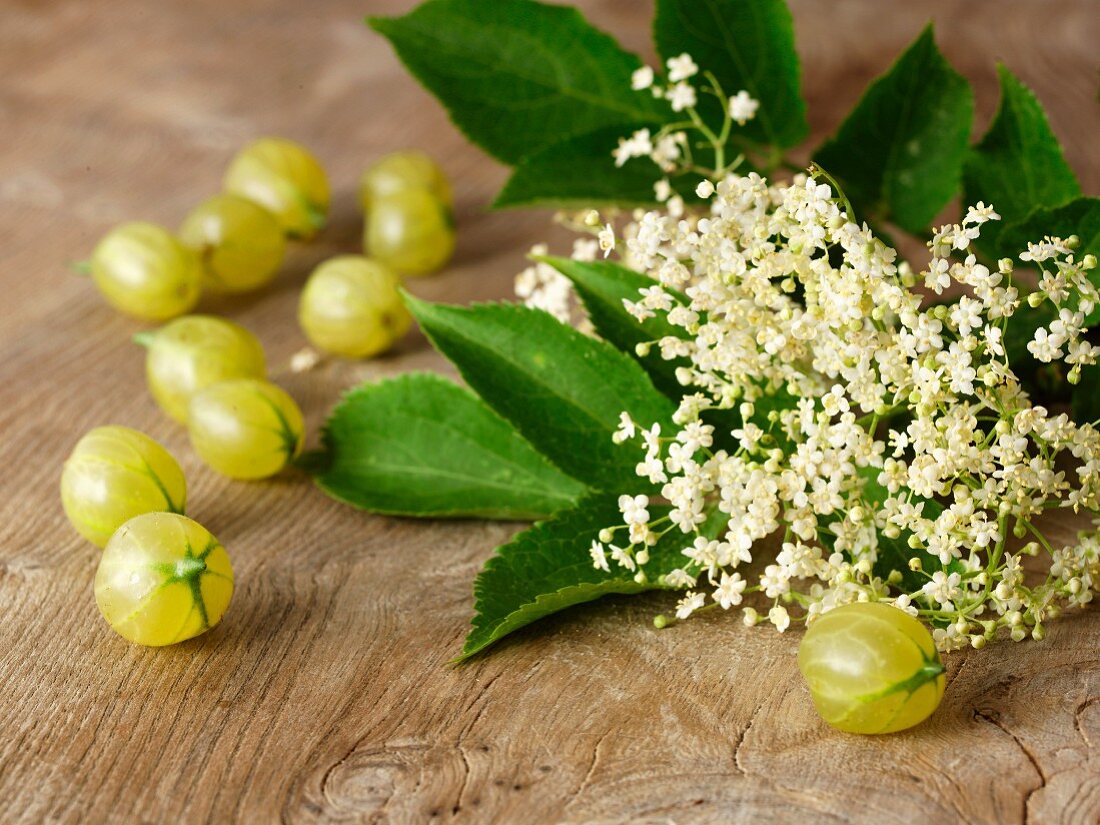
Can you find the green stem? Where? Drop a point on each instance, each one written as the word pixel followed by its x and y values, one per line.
pixel 144 338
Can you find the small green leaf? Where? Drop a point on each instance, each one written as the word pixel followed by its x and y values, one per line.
pixel 548 568
pixel 1018 166
pixel 746 44
pixel 561 389
pixel 899 154
pixel 419 445
pixel 516 75
pixel 580 172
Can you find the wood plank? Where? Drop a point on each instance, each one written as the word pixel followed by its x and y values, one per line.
pixel 325 694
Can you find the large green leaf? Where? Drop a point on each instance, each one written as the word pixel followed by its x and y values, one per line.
pixel 561 389
pixel 419 445
pixel 548 568
pixel 516 75
pixel 899 154
pixel 1018 166
pixel 580 172
pixel 746 44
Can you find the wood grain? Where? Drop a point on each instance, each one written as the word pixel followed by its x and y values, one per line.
pixel 325 694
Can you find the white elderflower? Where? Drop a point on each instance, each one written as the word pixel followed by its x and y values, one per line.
pixel 626 428
pixel 853 409
pixel 728 593
pixel 599 556
pixel 689 604
pixel 606 239
pixel 638 145
pixel 681 68
pixel 682 96
pixel 641 79
pixel 779 617
pixel 742 107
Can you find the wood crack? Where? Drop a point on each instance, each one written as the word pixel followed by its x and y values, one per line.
pixel 592 763
pixel 993 719
pixel 741 741
pixel 1081 708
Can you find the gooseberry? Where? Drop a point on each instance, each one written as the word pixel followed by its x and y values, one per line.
pixel 115 473
pixel 871 668
pixel 245 428
pixel 351 306
pixel 193 352
pixel 284 178
pixel 409 231
pixel 162 579
pixel 399 171
pixel 145 272
pixel 240 244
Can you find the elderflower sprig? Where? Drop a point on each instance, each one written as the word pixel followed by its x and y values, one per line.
pixel 868 415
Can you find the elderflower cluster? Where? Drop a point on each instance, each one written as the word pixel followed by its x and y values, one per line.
pixel 671 149
pixel 881 436
pixel 841 436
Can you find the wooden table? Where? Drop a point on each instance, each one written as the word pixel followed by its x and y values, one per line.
pixel 326 694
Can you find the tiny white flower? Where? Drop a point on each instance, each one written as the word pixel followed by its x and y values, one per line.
pixel 606 238
pixel 682 96
pixel 622 558
pixel 626 429
pixel 728 592
pixel 599 556
pixel 779 617
pixel 681 68
pixel 641 78
pixel 742 107
pixel 705 189
pixel 689 604
pixel 304 360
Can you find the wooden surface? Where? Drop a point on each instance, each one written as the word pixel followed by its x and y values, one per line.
pixel 325 694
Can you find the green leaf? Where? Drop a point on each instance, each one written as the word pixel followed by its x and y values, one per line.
pixel 561 389
pixel 580 172
pixel 602 287
pixel 548 568
pixel 516 75
pixel 1085 402
pixel 1018 166
pixel 746 44
pixel 419 445
pixel 899 154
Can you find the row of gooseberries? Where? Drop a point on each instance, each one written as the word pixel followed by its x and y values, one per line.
pixel 233 242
